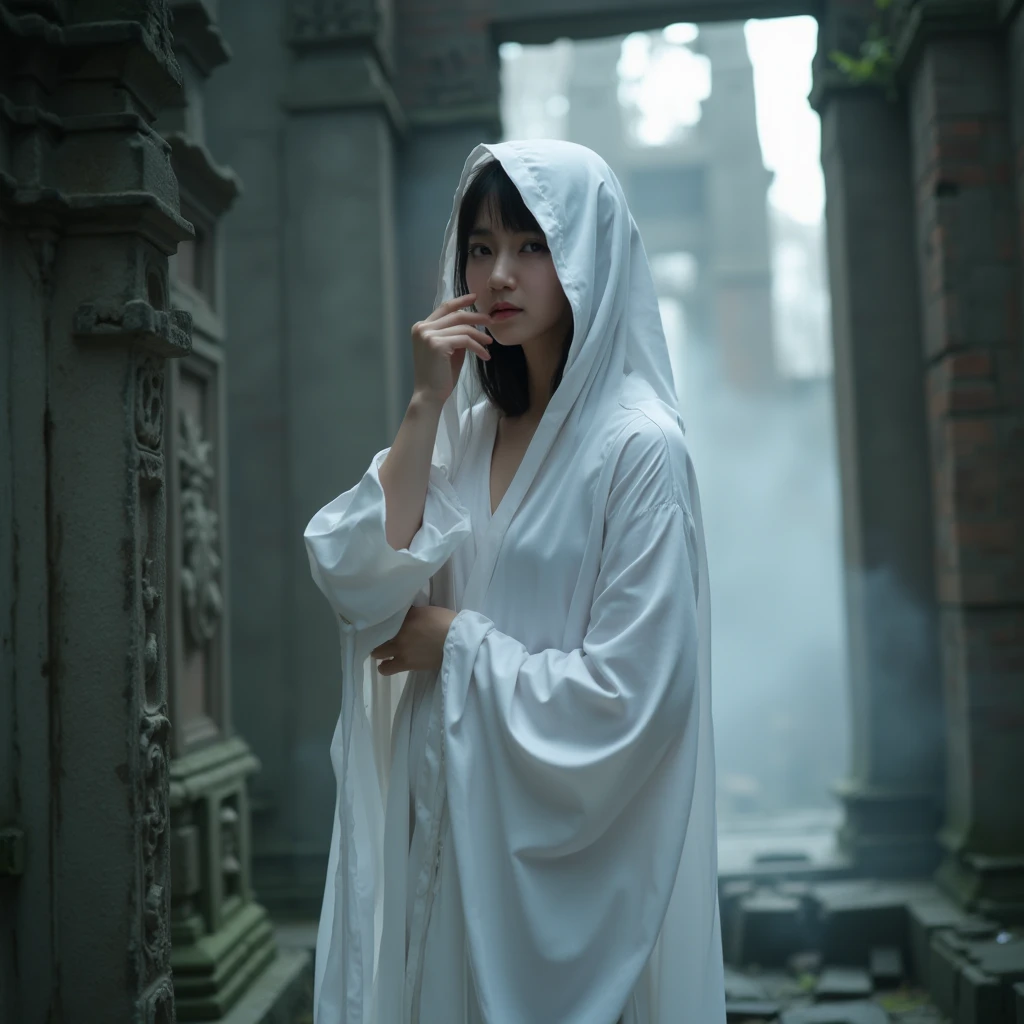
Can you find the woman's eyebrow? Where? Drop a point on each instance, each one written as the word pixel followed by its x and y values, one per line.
pixel 481 231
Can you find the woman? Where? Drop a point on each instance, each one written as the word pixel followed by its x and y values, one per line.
pixel 528 837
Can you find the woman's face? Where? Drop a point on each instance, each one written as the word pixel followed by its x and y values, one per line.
pixel 514 279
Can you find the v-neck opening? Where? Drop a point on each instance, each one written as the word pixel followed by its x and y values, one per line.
pixel 494 419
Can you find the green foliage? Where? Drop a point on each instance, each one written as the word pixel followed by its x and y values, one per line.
pixel 874 64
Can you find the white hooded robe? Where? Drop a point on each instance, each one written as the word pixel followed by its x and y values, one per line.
pixel 528 836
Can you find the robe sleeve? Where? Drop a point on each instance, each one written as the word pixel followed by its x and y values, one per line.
pixel 370 587
pixel 364 578
pixel 571 774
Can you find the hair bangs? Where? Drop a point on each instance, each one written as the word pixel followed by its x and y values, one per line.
pixel 504 376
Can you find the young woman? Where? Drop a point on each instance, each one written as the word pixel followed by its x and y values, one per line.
pixel 525 825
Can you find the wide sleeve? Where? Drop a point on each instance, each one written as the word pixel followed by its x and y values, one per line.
pixel 364 578
pixel 571 776
pixel 370 587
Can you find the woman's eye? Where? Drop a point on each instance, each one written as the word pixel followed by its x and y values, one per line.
pixel 535 247
pixel 478 250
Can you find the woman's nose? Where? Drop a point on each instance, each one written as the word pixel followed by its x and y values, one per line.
pixel 502 275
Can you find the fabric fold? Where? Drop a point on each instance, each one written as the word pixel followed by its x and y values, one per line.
pixel 557 765
pixel 370 586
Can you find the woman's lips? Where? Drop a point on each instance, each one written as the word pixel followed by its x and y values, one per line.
pixel 504 314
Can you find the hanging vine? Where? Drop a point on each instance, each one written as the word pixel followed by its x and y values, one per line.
pixel 874 64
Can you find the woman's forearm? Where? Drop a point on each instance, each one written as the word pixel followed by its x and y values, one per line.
pixel 406 470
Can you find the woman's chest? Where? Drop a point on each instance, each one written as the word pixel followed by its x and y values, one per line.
pixel 541 566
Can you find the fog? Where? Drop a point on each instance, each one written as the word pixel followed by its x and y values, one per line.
pixel 763 442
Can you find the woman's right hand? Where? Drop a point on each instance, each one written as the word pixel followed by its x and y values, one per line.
pixel 439 346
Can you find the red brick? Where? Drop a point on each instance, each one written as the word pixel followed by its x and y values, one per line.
pixel 964 430
pixel 963 365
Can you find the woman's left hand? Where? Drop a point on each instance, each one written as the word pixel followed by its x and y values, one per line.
pixel 418 645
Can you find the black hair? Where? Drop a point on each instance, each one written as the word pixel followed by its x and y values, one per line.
pixel 504 376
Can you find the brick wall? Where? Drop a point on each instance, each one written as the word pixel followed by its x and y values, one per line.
pixel 969 251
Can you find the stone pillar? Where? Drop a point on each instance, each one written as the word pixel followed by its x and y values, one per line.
pixel 221 937
pixel 737 197
pixel 448 84
pixel 306 114
pixel 88 216
pixel 968 236
pixel 892 794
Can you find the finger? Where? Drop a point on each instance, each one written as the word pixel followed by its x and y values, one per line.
pixel 464 341
pixel 384 651
pixel 452 304
pixel 461 330
pixel 461 318
pixel 389 668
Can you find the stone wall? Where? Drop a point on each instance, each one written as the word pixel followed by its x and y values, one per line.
pixel 958 66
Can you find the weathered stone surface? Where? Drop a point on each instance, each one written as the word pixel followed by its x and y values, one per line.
pixel 843 983
pixel 886 966
pixel 837 1013
pixel 752 1010
pixel 971 980
pixel 925 917
pixel 808 962
pixel 741 987
pixel 769 929
pixel 853 917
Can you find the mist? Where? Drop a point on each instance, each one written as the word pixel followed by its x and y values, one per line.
pixel 761 429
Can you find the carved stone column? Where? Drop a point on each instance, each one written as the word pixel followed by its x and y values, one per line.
pixel 222 938
pixel 88 216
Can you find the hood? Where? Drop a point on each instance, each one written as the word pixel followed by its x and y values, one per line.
pixel 600 261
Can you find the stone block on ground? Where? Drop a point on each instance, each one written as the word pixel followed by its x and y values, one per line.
pixel 972 978
pixel 752 1010
pixel 853 917
pixel 926 916
pixel 281 994
pixel 858 1012
pixel 742 987
pixel 769 929
pixel 730 896
pixel 805 962
pixel 843 983
pixel 886 966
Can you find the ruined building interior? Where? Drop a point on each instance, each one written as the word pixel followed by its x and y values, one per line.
pixel 218 219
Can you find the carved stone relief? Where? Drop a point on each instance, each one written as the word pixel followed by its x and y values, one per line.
pixel 149 403
pixel 200 572
pixel 152 725
pixel 154 733
pixel 158 1003
pixel 323 20
pixel 230 848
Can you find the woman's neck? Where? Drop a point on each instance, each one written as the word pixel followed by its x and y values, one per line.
pixel 542 359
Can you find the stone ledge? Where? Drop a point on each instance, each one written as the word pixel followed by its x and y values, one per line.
pixel 111 213
pixel 164 333
pixel 196 34
pixel 194 774
pixel 201 176
pixel 281 994
pixel 924 20
pixel 151 65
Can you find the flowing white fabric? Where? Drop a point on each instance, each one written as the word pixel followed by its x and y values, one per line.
pixel 549 853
